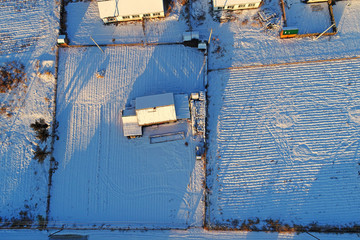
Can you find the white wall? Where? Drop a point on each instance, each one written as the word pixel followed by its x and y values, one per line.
pixel 133 17
pixel 244 5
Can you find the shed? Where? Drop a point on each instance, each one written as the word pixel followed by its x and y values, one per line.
pixel 131 127
pixel 155 109
pixel 235 4
pixel 125 10
pixel 182 106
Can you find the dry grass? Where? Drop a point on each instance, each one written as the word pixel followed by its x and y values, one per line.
pixel 270 225
pixel 11 75
pixel 183 2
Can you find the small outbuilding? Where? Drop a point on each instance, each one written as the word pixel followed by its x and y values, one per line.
pixel 126 10
pixel 235 4
pixel 155 109
pixel 182 106
pixel 131 126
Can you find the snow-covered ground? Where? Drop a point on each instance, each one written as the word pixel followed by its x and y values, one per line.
pixel 308 18
pixel 284 144
pixel 242 41
pixel 27 35
pixel 83 21
pixel 193 234
pixel 300 120
pixel 238 38
pixel 106 179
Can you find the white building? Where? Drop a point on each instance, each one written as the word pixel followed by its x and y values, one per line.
pixel 155 109
pixel 235 4
pixel 125 10
pixel 131 127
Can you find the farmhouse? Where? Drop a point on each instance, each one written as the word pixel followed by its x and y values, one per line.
pixel 155 109
pixel 125 10
pixel 235 4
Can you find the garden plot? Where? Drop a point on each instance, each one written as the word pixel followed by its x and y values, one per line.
pixel 27 36
pixel 106 179
pixel 83 21
pixel 243 41
pixel 284 144
pixel 308 18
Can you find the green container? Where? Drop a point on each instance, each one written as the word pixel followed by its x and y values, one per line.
pixel 290 31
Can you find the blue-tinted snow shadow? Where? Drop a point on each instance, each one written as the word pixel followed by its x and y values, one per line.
pixel 73 25
pixel 80 76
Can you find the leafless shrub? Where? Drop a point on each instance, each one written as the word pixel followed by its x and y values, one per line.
pixel 245 22
pixel 24 221
pixel 11 75
pixel 3 110
pixel 170 7
pixel 40 154
pixel 42 135
pixel 41 129
pixel 39 124
pixel 41 222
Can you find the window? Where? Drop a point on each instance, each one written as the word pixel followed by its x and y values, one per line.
pixel 156 14
pixel 220 8
pixel 126 17
pixel 230 7
pixel 150 110
pixel 135 16
pixel 111 19
pixel 147 15
pixel 251 5
pixel 241 6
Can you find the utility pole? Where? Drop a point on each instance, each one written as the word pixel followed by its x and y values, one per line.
pixel 97 44
pixel 324 32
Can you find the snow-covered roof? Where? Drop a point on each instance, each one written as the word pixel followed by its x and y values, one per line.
pixel 154 101
pixel 130 123
pixel 108 8
pixel 182 106
pixel 155 109
pixel 111 8
pixel 222 3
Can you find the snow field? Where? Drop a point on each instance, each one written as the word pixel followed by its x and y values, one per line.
pixel 26 26
pixel 27 35
pixel 105 179
pixel 284 144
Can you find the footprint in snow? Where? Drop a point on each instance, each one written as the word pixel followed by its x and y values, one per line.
pixel 354 114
